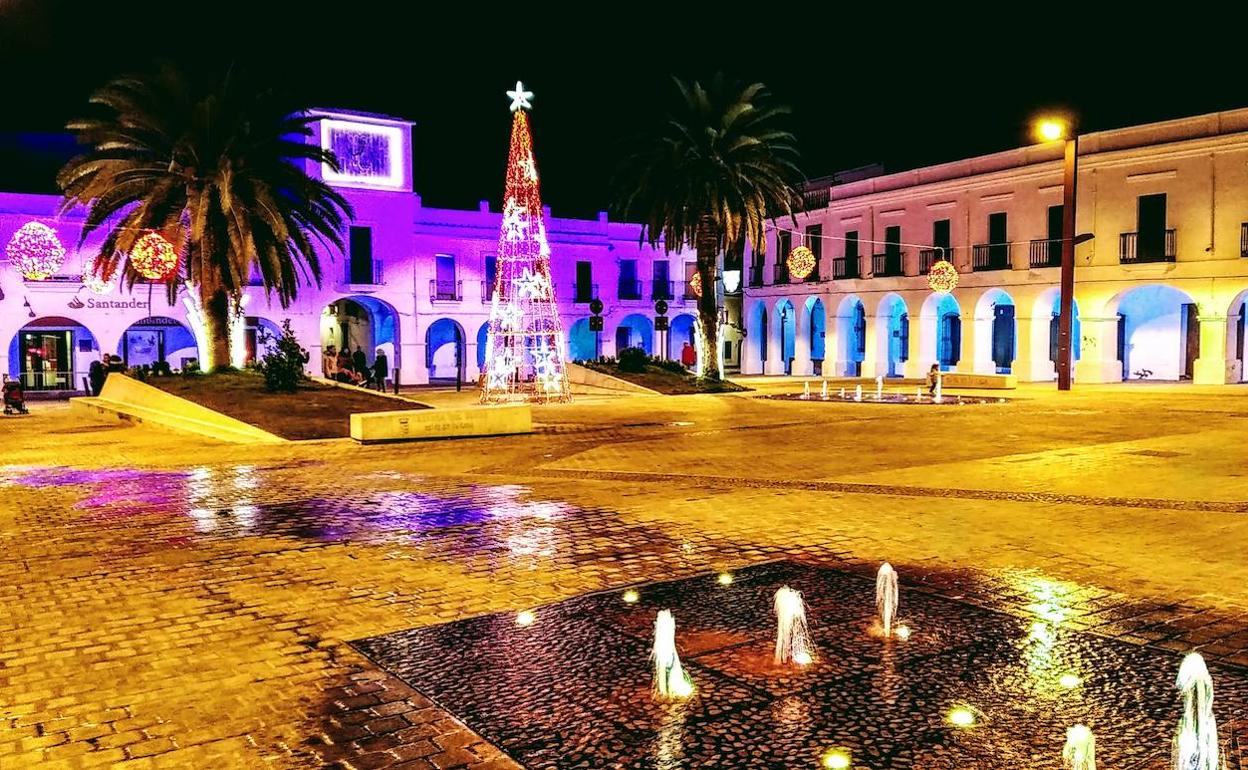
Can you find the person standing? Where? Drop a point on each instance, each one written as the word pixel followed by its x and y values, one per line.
pixel 329 362
pixel 381 369
pixel 97 373
pixel 688 356
pixel 360 361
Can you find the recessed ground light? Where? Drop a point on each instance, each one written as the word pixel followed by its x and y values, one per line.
pixel 525 618
pixel 961 716
pixel 836 759
pixel 725 578
pixel 631 596
pixel 1070 681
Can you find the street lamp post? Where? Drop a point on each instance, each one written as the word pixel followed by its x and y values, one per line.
pixel 1052 130
pixel 784 354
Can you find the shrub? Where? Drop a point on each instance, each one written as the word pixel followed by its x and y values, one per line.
pixel 282 366
pixel 667 364
pixel 633 360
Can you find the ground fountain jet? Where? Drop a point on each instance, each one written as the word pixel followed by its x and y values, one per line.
pixel 886 597
pixel 879 387
pixel 936 396
pixel 1079 753
pixel 824 392
pixel 806 389
pixel 1196 740
pixel 670 680
pixel 792 637
pixel 858 393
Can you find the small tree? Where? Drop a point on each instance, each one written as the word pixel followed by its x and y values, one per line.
pixel 282 365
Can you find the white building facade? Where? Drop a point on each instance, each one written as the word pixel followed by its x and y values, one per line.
pixel 415 282
pixel 1159 288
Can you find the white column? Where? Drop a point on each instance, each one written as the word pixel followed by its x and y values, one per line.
pixel 1026 367
pixel 976 354
pixel 871 349
pixel 1211 367
pixel 1098 358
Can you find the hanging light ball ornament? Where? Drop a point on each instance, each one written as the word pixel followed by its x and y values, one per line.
pixel 695 285
pixel 35 251
pixel 154 258
pixel 943 277
pixel 801 262
pixel 94 282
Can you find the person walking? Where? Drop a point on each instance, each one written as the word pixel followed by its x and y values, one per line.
pixel 97 372
pixel 381 369
pixel 933 377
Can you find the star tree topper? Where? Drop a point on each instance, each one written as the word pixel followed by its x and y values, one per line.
pixel 520 98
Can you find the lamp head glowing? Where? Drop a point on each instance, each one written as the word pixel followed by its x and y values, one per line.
pixel 1051 129
pixel 961 716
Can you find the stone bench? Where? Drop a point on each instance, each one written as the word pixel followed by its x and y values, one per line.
pixel 419 424
pixel 960 380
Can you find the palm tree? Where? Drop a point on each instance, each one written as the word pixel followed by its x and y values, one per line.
pixel 710 178
pixel 220 171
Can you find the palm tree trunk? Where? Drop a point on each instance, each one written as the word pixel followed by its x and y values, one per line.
pixel 707 245
pixel 215 302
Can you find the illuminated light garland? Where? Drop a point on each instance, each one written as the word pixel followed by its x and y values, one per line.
pixel 525 355
pixel 154 258
pixel 94 282
pixel 695 285
pixel 35 251
pixel 943 277
pixel 801 262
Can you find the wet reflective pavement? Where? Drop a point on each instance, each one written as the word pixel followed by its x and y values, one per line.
pixel 165 603
pixel 571 690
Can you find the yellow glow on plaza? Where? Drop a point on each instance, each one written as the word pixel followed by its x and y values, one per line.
pixel 725 578
pixel 836 759
pixel 1051 129
pixel 631 596
pixel 525 618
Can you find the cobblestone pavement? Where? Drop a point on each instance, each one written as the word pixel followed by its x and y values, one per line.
pixel 173 603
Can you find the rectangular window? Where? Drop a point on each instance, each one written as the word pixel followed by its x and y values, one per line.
pixel 491 274
pixel 584 281
pixel 662 279
pixel 444 277
pixel 892 240
pixel 940 233
pixel 851 244
pixel 814 242
pixel 360 251
pixel 998 240
pixel 630 287
pixel 1151 223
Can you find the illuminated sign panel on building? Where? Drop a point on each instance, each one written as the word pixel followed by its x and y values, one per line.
pixel 369 155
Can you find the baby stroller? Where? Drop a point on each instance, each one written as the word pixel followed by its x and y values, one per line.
pixel 14 397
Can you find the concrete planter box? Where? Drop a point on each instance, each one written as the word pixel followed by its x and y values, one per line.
pixel 423 424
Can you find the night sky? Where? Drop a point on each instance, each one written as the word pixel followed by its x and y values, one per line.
pixel 884 85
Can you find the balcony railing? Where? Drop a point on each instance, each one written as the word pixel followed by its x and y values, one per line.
pixel 1045 252
pixel 815 199
pixel 887 265
pixel 1243 240
pixel 1131 252
pixel 929 257
pixel 584 292
pixel 629 289
pixel 845 267
pixel 991 256
pixel 487 292
pixel 662 290
pixel 358 275
pixel 781 274
pixel 446 291
pixel 756 275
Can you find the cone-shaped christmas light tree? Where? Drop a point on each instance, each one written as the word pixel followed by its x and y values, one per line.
pixel 524 356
